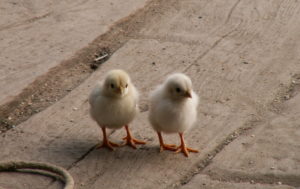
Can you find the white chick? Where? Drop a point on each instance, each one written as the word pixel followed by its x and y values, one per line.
pixel 173 109
pixel 113 104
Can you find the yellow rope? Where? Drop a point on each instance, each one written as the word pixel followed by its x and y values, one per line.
pixel 34 167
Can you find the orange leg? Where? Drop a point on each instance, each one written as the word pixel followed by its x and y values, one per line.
pixel 130 140
pixel 165 146
pixel 106 143
pixel 183 148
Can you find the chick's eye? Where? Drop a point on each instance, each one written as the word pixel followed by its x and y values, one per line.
pixel 178 90
pixel 126 85
pixel 112 86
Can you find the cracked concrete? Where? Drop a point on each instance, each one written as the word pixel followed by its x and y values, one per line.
pixel 239 68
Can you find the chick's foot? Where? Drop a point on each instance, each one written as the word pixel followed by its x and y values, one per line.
pixel 131 141
pixel 108 144
pixel 171 147
pixel 185 150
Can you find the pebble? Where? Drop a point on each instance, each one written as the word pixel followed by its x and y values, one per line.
pixel 286 97
pixel 252 135
pixel 272 167
pixel 74 108
pixel 280 183
pixel 252 181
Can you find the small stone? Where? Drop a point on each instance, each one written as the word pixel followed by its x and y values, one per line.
pixel 272 168
pixel 74 108
pixel 199 17
pixel 93 66
pixel 153 63
pixel 293 81
pixel 252 181
pixel 252 135
pixel 245 62
pixel 13 126
pixel 279 183
pixel 286 97
pixel 9 118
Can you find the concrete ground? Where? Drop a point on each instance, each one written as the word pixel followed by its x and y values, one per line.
pixel 244 60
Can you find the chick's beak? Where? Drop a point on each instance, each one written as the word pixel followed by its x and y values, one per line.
pixel 119 90
pixel 188 94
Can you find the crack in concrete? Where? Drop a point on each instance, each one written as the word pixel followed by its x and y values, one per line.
pixel 237 177
pixel 216 43
pixel 202 164
pixel 31 20
pixel 231 11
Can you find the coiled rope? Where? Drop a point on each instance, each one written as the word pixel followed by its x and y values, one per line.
pixel 39 168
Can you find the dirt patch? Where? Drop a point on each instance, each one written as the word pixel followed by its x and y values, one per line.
pixel 286 93
pixel 60 80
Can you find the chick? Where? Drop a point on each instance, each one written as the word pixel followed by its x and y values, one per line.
pixel 173 109
pixel 113 104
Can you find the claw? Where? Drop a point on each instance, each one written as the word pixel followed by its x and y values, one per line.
pixel 171 147
pixel 106 143
pixel 130 141
pixel 164 146
pixel 183 148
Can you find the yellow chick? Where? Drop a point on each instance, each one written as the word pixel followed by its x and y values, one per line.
pixel 173 109
pixel 113 104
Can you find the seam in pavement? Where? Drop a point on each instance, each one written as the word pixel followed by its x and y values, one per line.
pixel 231 11
pixel 202 164
pixel 170 39
pixel 270 178
pixel 30 20
pixel 82 157
pixel 209 49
